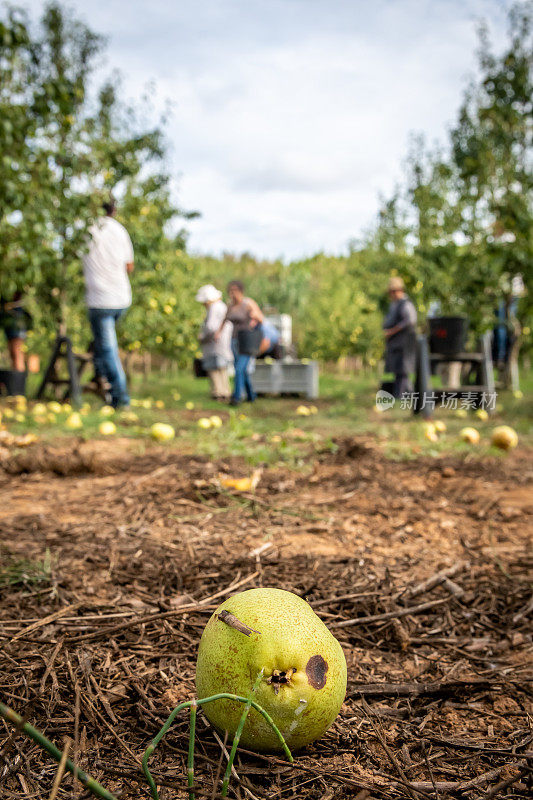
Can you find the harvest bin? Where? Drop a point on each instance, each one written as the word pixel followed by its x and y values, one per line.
pixel 286 377
pixel 447 335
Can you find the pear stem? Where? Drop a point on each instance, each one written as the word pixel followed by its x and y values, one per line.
pixel 172 716
pixel 238 732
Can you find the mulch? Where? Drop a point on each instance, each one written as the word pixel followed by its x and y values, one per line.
pixel 422 569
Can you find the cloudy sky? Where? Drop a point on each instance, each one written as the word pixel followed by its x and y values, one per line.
pixel 291 116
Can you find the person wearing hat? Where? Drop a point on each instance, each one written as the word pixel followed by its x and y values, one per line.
pixel 399 329
pixel 216 351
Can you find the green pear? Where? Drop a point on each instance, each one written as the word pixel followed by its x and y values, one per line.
pixel 304 679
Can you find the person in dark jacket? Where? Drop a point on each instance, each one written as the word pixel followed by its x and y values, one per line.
pixel 399 329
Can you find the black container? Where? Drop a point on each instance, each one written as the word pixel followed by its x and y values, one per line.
pixel 198 368
pixel 12 382
pixel 249 341
pixel 447 335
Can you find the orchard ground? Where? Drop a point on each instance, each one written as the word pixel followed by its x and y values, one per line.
pixel 271 431
pixel 354 510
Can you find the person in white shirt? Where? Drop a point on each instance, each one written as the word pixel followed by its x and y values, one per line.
pixel 106 266
pixel 216 353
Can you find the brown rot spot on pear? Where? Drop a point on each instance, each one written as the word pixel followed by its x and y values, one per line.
pixel 316 670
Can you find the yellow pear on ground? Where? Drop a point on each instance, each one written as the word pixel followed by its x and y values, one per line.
pixel 54 407
pixel 469 435
pixel 39 409
pixel 107 411
pixel 303 681
pixel 204 422
pixel 504 437
pixel 440 426
pixel 74 421
pixel 107 428
pixel 162 432
pixel 216 421
pixel 482 414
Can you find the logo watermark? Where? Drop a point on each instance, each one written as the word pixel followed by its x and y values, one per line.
pixel 449 400
pixel 384 400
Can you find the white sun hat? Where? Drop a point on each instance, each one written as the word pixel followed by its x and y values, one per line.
pixel 208 294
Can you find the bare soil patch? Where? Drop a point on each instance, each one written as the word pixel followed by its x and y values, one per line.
pixel 439 700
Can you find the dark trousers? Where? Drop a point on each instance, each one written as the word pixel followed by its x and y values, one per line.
pixel 402 384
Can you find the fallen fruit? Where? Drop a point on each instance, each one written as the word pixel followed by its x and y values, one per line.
pixel 461 413
pixel 39 409
pixel 440 426
pixel 128 416
pixel 216 422
pixel 55 407
pixel 304 680
pixel 504 437
pixel 107 411
pixel 482 414
pixel 189 405
pixel 242 484
pixel 430 432
pixel 74 421
pixel 204 422
pixel 162 432
pixel 107 428
pixel 159 404
pixel 470 435
pixel 303 411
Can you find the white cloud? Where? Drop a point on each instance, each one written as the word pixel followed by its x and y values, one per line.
pixel 291 115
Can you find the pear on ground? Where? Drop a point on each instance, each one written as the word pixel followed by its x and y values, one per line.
pixel 107 428
pixel 74 421
pixel 504 437
pixel 469 435
pixel 304 678
pixel 162 432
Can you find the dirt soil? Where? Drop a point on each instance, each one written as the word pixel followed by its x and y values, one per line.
pixel 144 547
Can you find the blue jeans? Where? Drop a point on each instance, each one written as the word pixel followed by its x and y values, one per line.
pixel 106 356
pixel 242 378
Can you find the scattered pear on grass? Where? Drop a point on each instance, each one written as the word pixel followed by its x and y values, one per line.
pixel 304 680
pixel 504 437
pixel 74 421
pixel 107 428
pixel 162 432
pixel 469 435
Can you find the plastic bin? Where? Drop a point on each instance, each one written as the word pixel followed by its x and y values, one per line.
pixel 447 335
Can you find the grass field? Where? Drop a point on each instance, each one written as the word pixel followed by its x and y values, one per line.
pixel 272 432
